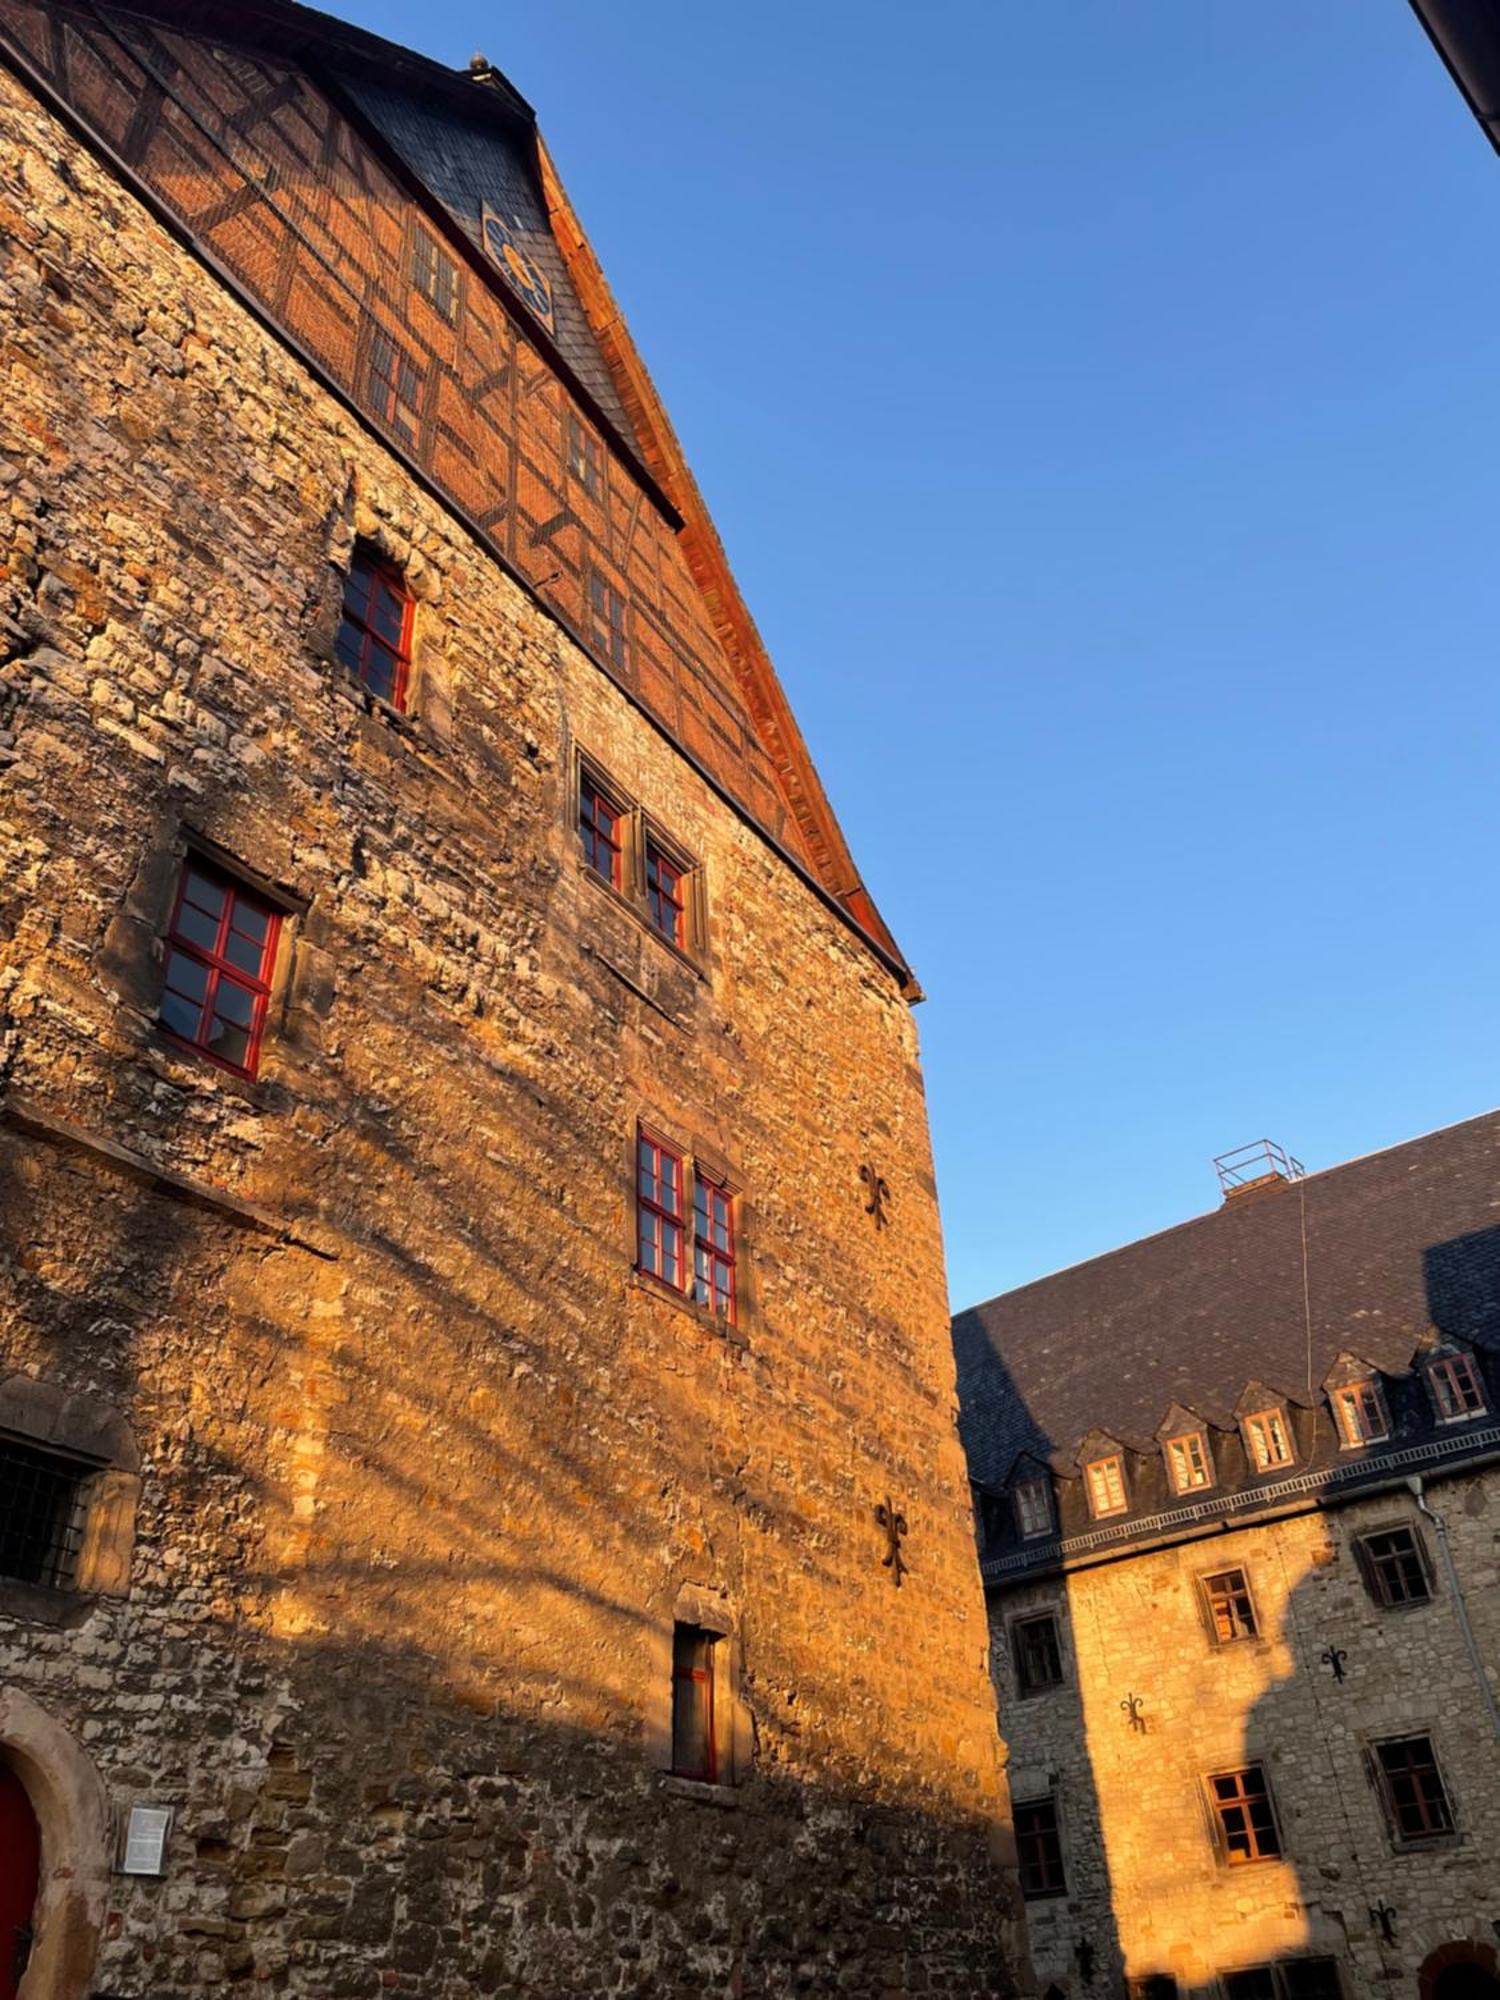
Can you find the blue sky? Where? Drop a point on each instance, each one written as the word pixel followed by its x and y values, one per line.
pixel 1099 405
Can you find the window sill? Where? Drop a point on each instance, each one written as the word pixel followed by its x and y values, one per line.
pixel 723 1796
pixel 727 1330
pixel 1437 1843
pixel 188 1066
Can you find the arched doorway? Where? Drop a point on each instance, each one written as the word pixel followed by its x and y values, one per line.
pixel 45 1770
pixel 1460 1971
pixel 20 1864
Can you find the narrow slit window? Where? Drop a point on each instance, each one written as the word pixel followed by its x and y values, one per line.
pixel 1415 1796
pixel 1189 1461
pixel 1039 1849
pixel 585 461
pixel 1106 1484
pixel 713 1246
pixel 1231 1609
pixel 1361 1414
pixel 393 384
pixel 1247 1825
pixel 435 276
pixel 601 824
pixel 221 948
pixel 374 636
pixel 694 1753
pixel 1455 1388
pixel 666 894
pixel 659 1211
pixel 1270 1441
pixel 607 618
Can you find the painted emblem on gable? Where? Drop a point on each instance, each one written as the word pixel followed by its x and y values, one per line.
pixel 502 241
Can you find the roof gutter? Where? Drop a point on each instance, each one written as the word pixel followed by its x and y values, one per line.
pixel 1467 38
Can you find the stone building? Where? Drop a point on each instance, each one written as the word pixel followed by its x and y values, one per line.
pixel 1241 1546
pixel 480 1506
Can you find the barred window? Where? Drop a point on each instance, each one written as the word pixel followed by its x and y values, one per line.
pixel 1231 1610
pixel 1415 1796
pixel 1039 1849
pixel 1247 1825
pixel 41 1514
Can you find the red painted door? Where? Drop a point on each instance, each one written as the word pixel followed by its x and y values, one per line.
pixel 20 1847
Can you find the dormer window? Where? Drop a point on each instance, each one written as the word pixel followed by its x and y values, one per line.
pixel 1189 1463
pixel 1106 1485
pixel 1269 1440
pixel 1360 1412
pixel 1033 1507
pixel 1455 1388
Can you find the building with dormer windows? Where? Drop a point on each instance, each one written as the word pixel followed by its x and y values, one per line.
pixel 1237 1494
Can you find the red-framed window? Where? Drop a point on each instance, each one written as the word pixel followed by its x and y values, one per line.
pixel 1247 1825
pixel 694 1750
pixel 374 637
pixel 221 948
pixel 1039 1849
pixel 607 618
pixel 1231 1609
pixel 1455 1387
pixel 601 826
pixel 666 894
pixel 393 384
pixel 1415 1795
pixel 713 1246
pixel 659 1211
pixel 1360 1410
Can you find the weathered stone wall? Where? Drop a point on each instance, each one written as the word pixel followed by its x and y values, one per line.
pixel 424 1468
pixel 1145 1885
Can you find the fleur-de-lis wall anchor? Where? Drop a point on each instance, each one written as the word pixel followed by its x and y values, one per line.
pixel 1131 1706
pixel 879 1193
pixel 1383 1919
pixel 1334 1657
pixel 894 1524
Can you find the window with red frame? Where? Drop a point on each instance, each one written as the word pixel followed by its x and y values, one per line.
pixel 221 947
pixel 666 894
pixel 601 825
pixel 694 1752
pixel 1247 1825
pixel 1455 1388
pixel 1361 1414
pixel 393 384
pixel 374 638
pixel 713 1246
pixel 659 1211
pixel 1415 1796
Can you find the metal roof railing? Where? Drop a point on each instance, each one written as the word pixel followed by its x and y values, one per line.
pixel 1261 1160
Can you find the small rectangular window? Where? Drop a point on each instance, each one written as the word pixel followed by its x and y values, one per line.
pixel 393 384
pixel 666 894
pixel 1188 1458
pixel 1361 1414
pixel 659 1210
pixel 1038 1653
pixel 713 1245
pixel 585 460
pixel 1247 1825
pixel 41 1515
pixel 607 618
pixel 1394 1566
pixel 1106 1483
pixel 694 1753
pixel 1255 1982
pixel 1270 1441
pixel 1310 1979
pixel 220 952
pixel 1231 1610
pixel 1039 1849
pixel 374 635
pixel 601 824
pixel 435 275
pixel 1414 1793
pixel 1033 1500
pixel 1455 1388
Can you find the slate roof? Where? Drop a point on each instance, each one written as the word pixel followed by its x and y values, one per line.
pixel 1397 1243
